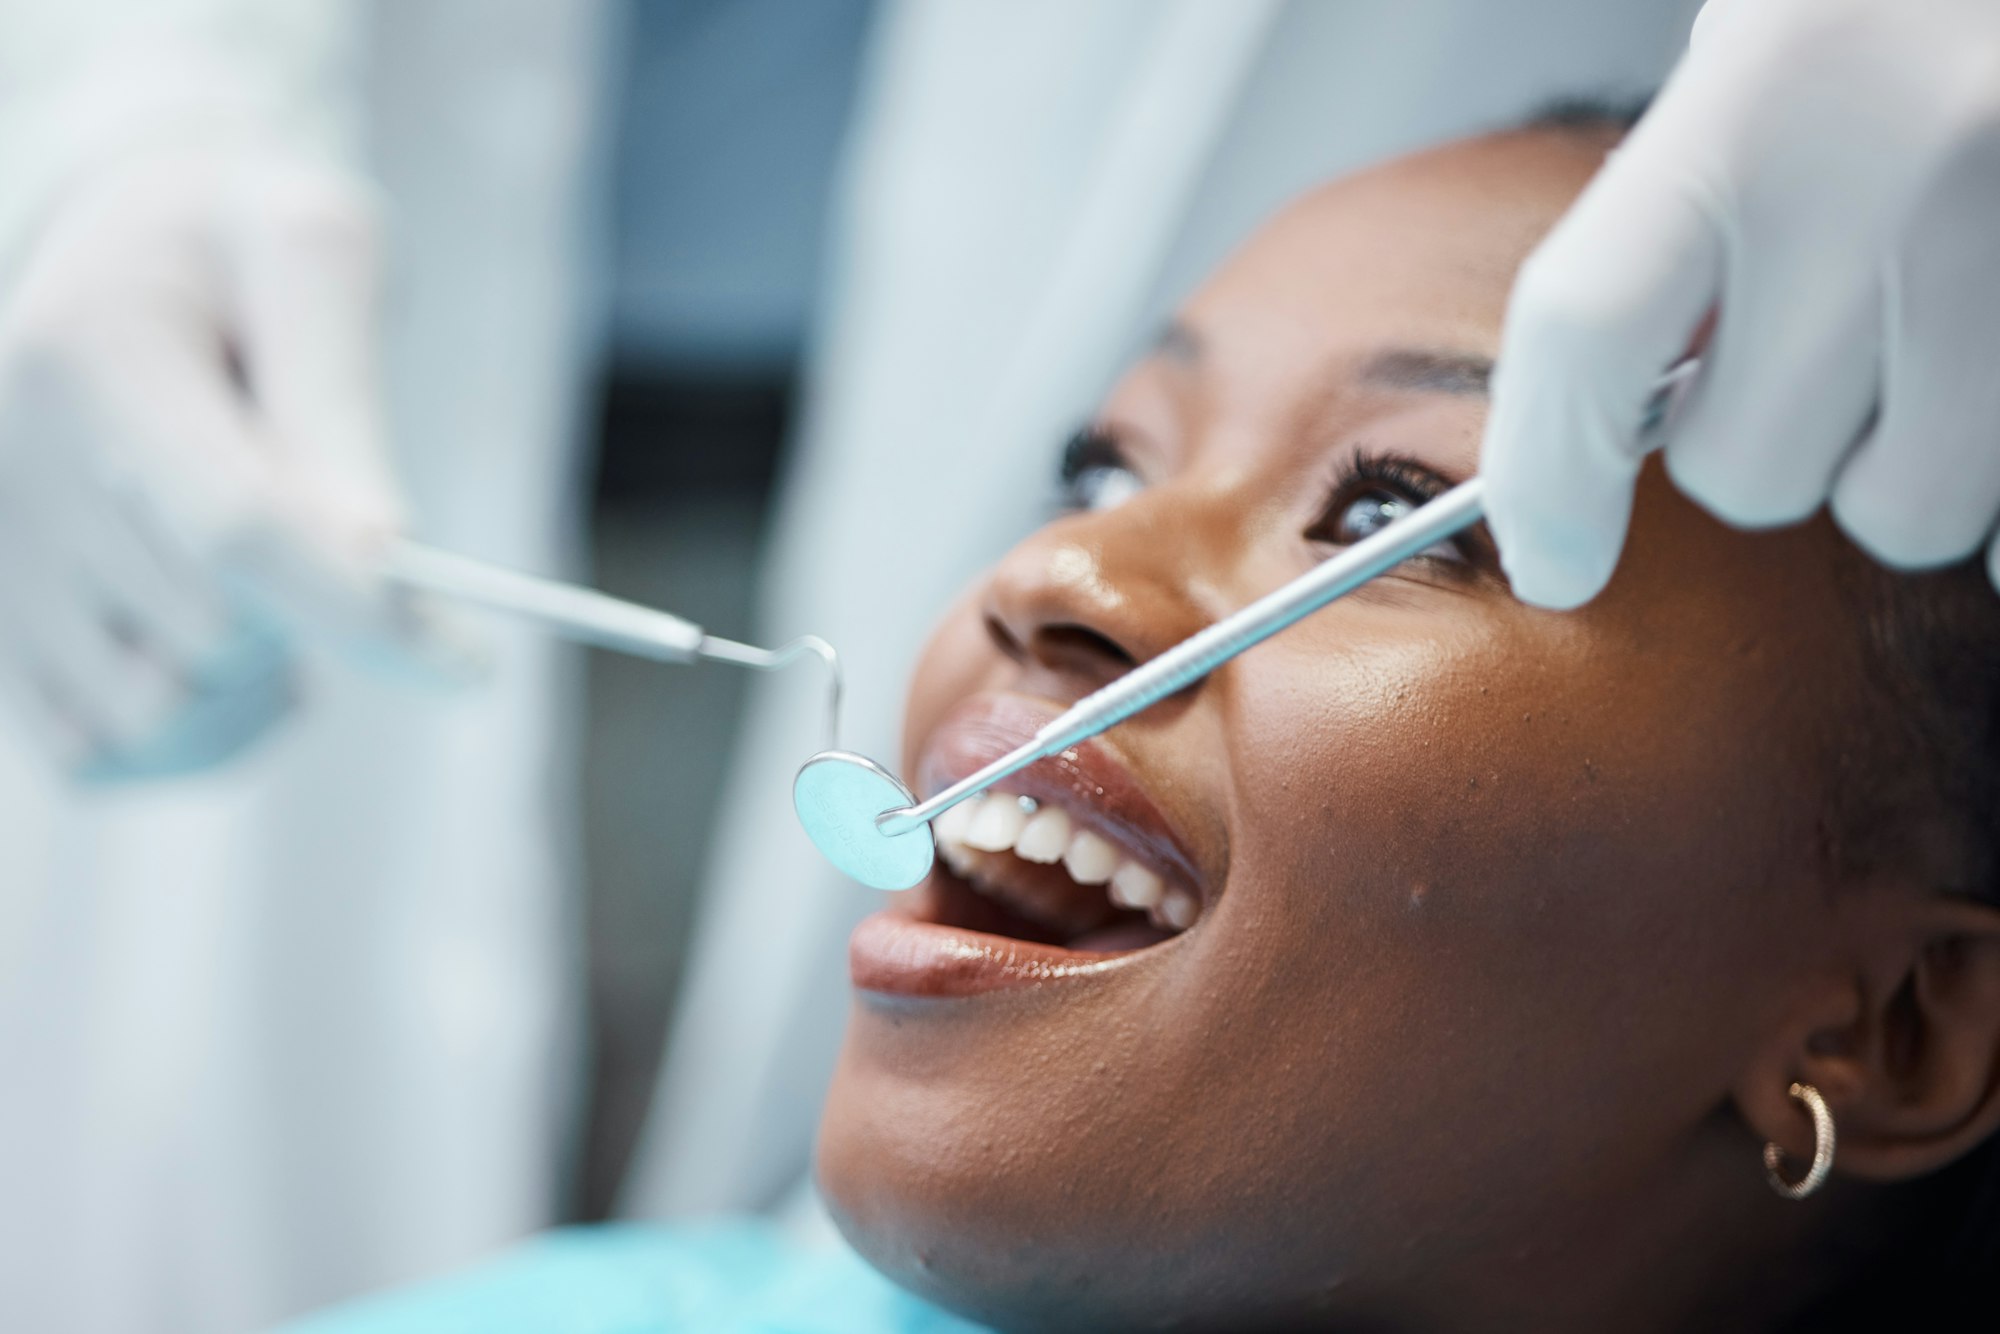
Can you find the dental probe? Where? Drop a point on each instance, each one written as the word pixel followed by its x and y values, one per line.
pixel 867 823
pixel 586 616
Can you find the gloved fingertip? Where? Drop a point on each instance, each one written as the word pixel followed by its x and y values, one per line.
pixel 371 515
pixel 422 640
pixel 317 578
pixel 1552 584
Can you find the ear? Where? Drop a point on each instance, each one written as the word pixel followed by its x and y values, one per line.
pixel 1903 1041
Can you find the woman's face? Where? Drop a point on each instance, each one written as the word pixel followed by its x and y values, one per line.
pixel 1493 903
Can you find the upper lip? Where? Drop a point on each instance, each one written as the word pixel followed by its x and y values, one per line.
pixel 1089 780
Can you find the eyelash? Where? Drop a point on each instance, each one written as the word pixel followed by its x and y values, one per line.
pixel 1089 459
pixel 1410 480
pixel 1092 458
pixel 1401 481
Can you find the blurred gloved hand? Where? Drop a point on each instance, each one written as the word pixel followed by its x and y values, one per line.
pixel 1823 176
pixel 193 473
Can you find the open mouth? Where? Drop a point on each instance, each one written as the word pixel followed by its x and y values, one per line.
pixel 1068 869
pixel 1032 870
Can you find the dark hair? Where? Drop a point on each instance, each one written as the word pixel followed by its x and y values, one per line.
pixel 1917 783
pixel 1926 794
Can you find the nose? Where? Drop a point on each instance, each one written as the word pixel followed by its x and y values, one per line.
pixel 1091 596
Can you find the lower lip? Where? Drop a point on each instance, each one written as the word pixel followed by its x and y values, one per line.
pixel 894 955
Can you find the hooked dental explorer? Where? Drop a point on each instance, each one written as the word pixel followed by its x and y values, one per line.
pixel 866 822
pixel 586 616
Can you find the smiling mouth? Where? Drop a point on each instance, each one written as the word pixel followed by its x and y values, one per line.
pixel 1070 870
pixel 1034 871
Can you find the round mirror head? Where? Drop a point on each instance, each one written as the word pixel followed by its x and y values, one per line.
pixel 838 796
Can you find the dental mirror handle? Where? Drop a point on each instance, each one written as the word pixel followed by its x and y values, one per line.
pixel 586 616
pixel 580 614
pixel 1201 653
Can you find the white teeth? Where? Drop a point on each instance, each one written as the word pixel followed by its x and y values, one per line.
pixel 1045 837
pixel 1177 910
pixel 997 824
pixel 1090 858
pixel 950 827
pixel 1133 886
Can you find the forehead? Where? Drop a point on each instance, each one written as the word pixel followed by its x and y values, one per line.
pixel 1418 253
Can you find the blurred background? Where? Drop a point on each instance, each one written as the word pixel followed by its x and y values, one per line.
pixel 743 106
pixel 772 313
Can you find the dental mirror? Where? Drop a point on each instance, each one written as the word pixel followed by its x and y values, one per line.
pixel 838 796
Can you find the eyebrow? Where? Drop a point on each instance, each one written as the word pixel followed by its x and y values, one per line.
pixel 1418 370
pixel 1409 369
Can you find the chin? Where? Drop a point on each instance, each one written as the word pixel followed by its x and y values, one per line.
pixel 1003 1227
pixel 949 1214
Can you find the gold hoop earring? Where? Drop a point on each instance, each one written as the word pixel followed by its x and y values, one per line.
pixel 1822 1159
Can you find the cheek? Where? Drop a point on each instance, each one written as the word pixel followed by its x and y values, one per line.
pixel 1461 875
pixel 958 660
pixel 1501 896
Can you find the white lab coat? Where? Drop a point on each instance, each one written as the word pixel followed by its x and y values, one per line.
pixel 1034 184
pixel 306 1026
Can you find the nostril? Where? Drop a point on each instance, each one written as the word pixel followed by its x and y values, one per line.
pixel 1079 649
pixel 1005 639
pixel 1065 647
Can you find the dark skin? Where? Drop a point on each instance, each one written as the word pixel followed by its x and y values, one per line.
pixel 1518 924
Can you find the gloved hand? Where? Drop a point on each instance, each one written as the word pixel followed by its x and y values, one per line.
pixel 1824 176
pixel 193 472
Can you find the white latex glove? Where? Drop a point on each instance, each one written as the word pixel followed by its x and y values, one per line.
pixel 192 466
pixel 1824 175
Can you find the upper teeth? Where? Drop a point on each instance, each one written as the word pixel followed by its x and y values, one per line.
pixel 995 822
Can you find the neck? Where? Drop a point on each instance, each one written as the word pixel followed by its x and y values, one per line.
pixel 1698 1242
